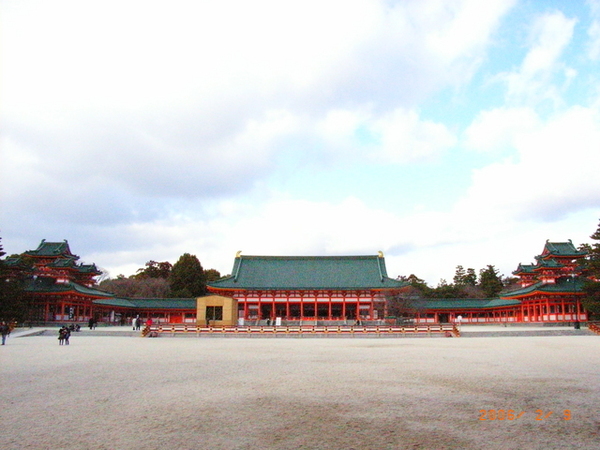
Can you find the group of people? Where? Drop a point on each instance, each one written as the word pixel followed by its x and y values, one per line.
pixel 63 335
pixel 136 323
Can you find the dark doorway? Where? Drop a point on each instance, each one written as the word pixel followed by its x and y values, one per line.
pixel 214 313
pixel 265 310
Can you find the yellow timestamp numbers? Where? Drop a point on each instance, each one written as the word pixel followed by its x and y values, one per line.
pixel 511 414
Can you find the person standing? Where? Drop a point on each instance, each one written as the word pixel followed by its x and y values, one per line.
pixel 61 335
pixel 5 331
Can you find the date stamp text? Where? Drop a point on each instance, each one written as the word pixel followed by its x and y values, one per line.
pixel 511 414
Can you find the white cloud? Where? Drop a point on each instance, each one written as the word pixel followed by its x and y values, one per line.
pixel 428 243
pixel 550 36
pixel 594 30
pixel 553 175
pixel 398 137
pixel 496 130
pixel 455 30
pixel 178 100
pixel 140 130
pixel 404 137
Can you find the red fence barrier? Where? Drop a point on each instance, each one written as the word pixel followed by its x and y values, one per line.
pixel 449 330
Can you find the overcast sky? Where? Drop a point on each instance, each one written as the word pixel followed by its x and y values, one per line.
pixel 440 132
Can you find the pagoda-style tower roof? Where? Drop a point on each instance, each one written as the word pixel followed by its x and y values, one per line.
pixel 69 263
pixel 307 273
pixel 561 250
pixel 523 269
pixel 549 263
pixel 557 261
pixel 55 260
pixel 562 286
pixel 52 250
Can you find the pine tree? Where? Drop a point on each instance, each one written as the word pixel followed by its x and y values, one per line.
pixel 490 281
pixel 187 277
pixel 459 275
pixel 591 287
pixel 15 304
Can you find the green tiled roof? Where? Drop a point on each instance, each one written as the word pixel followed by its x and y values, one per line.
pixel 308 272
pixel 550 263
pixel 463 303
pixel 562 285
pixel 44 285
pixel 89 268
pixel 116 301
pixel 524 268
pixel 562 249
pixel 150 303
pixel 61 263
pixel 16 262
pixel 69 263
pixel 52 249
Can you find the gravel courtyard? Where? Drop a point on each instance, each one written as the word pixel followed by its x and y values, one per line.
pixel 120 392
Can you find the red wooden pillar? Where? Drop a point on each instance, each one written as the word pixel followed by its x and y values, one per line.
pixel 329 307
pixel 259 305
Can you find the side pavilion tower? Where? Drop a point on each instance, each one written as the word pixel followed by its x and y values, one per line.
pixel 551 289
pixel 62 288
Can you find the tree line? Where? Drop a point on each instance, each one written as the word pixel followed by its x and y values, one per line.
pixel 184 279
pixel 466 284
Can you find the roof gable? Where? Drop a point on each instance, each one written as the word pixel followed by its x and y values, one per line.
pixel 561 249
pixel 53 249
pixel 308 272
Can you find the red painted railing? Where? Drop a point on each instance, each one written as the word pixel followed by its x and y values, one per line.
pixel 448 330
pixel 594 326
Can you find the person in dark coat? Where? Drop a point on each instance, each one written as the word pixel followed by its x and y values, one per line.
pixel 61 335
pixel 5 331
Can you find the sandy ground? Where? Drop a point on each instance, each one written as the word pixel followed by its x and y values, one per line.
pixel 118 392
